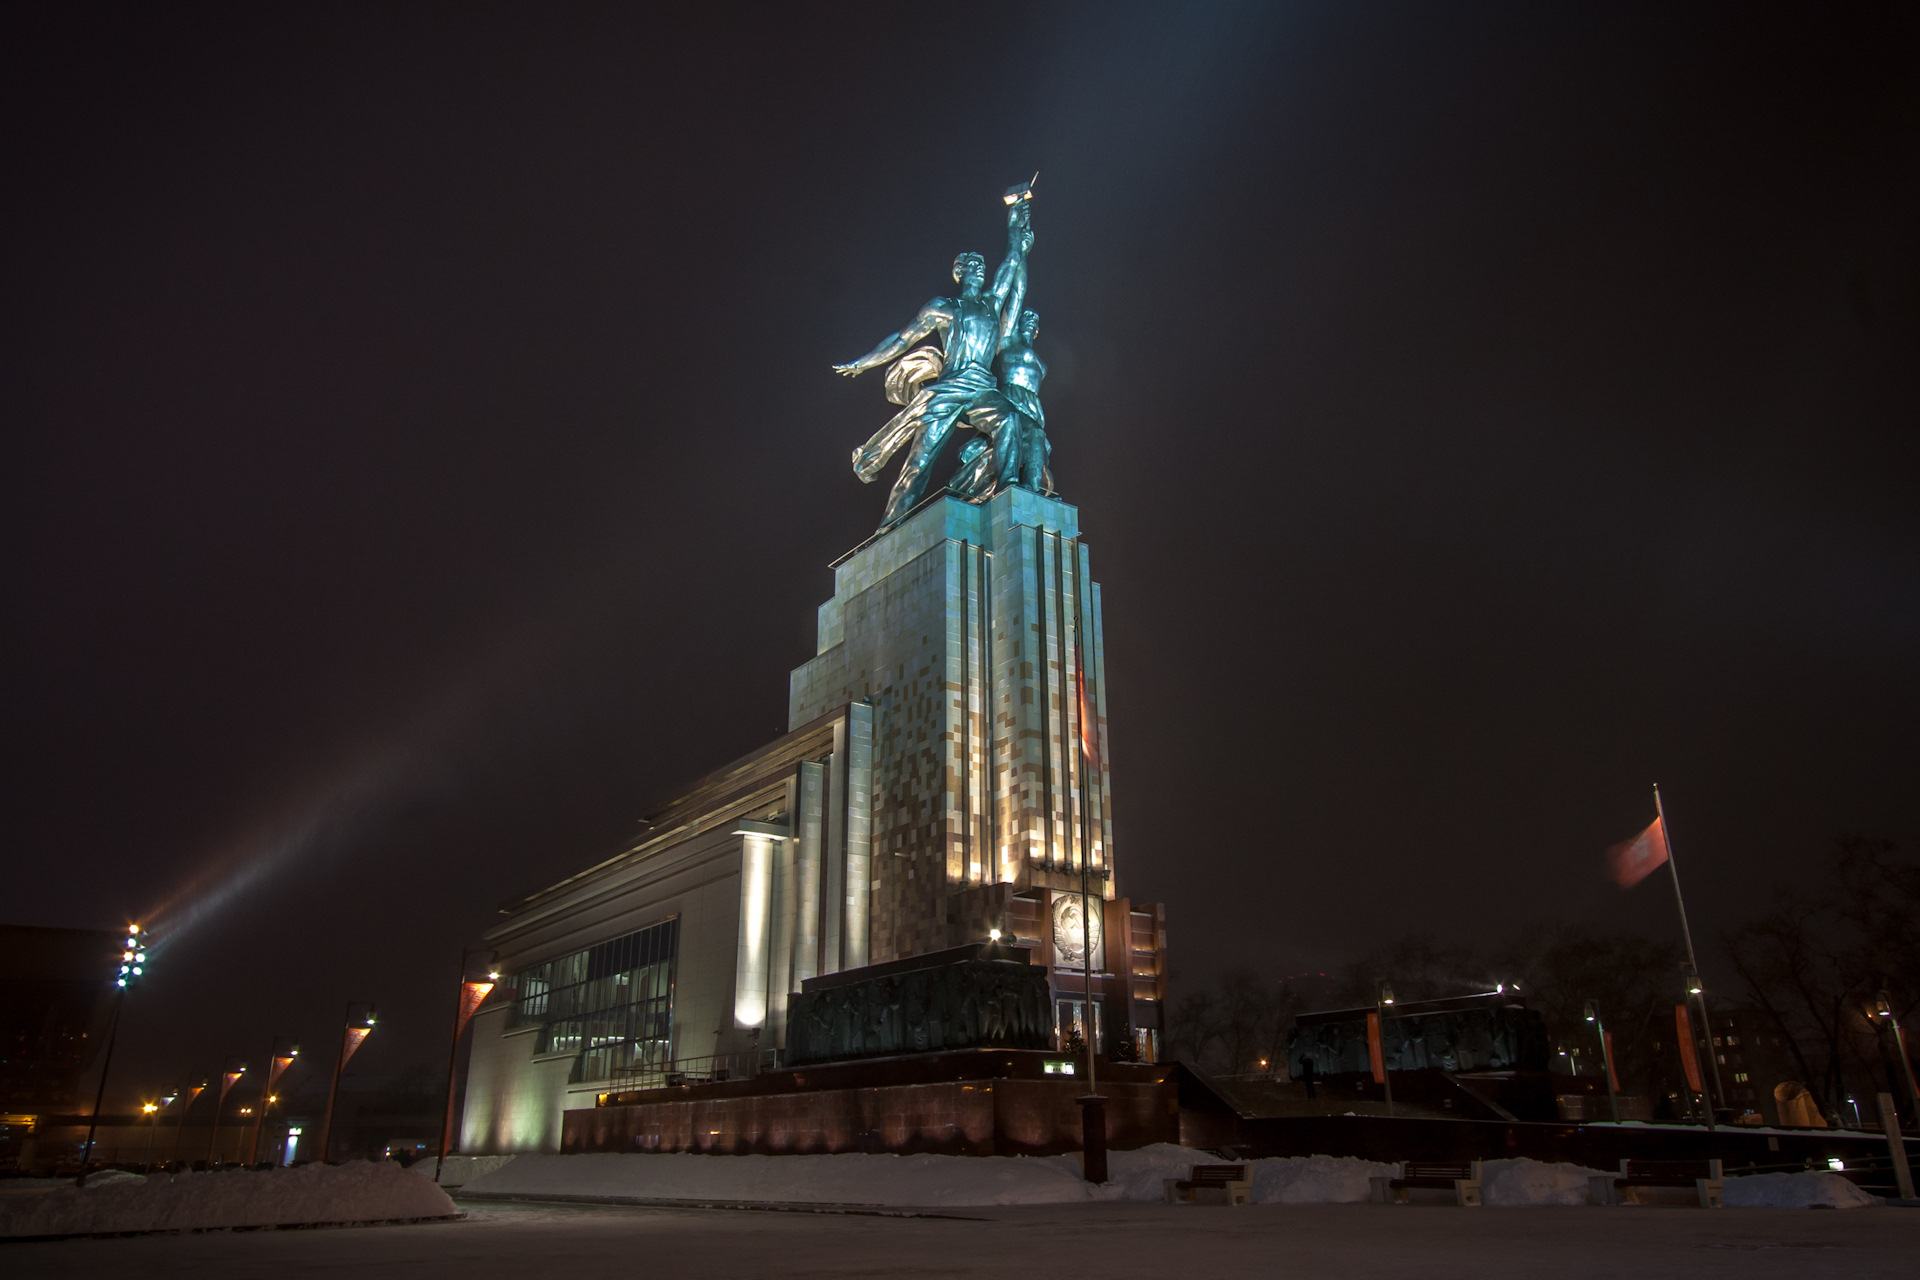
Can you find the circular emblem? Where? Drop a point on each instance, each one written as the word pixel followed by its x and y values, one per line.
pixel 1070 931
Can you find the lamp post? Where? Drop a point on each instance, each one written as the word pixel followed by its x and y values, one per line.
pixel 151 1110
pixel 1380 1021
pixel 180 1126
pixel 1883 1009
pixel 1606 1058
pixel 469 998
pixel 277 1062
pixel 228 1078
pixel 353 1033
pixel 133 966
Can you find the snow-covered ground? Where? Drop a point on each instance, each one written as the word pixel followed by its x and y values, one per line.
pixel 312 1194
pixel 930 1181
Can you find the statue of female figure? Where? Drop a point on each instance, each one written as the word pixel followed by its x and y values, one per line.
pixel 1019 451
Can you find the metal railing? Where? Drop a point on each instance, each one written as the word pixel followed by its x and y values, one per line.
pixel 712 1069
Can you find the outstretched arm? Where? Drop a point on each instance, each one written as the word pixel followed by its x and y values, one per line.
pixel 925 323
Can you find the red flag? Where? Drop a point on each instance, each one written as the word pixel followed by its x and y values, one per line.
pixel 1689 1060
pixel 1374 1050
pixel 471 994
pixel 228 1080
pixel 1089 731
pixel 1634 860
pixel 1613 1081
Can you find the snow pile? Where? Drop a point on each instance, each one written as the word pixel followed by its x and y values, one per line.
pixel 1533 1182
pixel 1794 1191
pixel 357 1192
pixel 1316 1179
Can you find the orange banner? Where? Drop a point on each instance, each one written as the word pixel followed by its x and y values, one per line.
pixel 1613 1080
pixel 228 1080
pixel 1632 861
pixel 354 1037
pixel 471 994
pixel 1374 1050
pixel 1689 1060
pixel 278 1067
pixel 1089 730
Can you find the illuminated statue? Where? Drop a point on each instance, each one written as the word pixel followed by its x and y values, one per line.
pixel 1019 450
pixel 937 387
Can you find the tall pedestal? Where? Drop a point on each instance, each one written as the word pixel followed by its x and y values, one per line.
pixel 965 628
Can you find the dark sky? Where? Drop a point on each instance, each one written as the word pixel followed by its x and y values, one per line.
pixel 422 450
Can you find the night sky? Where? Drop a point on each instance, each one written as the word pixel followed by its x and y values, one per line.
pixel 423 451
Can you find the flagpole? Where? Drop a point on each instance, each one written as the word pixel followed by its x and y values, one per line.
pixel 1693 964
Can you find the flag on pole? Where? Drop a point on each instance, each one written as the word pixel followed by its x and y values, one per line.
pixel 1613 1080
pixel 1632 861
pixel 278 1065
pixel 1089 730
pixel 1689 1059
pixel 1374 1050
pixel 228 1080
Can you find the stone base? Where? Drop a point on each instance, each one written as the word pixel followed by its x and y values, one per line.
pixel 977 1103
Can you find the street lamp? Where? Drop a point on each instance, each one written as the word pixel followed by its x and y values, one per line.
pixel 353 1034
pixel 1606 1058
pixel 133 967
pixel 470 996
pixel 277 1062
pixel 1380 1023
pixel 1883 1009
pixel 193 1093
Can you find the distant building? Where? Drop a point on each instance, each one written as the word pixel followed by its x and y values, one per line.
pixel 1753 1057
pixel 56 996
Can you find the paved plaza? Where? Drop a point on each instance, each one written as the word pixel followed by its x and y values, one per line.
pixel 1308 1241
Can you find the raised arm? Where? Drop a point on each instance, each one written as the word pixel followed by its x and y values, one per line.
pixel 1010 281
pixel 931 317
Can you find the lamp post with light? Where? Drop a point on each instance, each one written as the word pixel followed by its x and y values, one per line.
pixel 1883 1010
pixel 1384 999
pixel 469 996
pixel 1606 1057
pixel 133 967
pixel 277 1063
pixel 352 1034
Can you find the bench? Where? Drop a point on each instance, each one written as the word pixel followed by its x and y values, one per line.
pixel 1212 1184
pixel 1701 1175
pixel 1462 1177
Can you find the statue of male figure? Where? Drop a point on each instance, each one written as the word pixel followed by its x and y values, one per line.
pixel 970 329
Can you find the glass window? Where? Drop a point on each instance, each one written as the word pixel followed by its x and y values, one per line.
pixel 611 1005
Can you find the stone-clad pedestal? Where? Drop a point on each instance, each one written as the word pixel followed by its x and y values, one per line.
pixel 965 628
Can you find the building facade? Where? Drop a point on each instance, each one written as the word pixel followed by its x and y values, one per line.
pixel 944 776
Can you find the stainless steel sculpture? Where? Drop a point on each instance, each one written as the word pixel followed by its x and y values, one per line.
pixel 938 386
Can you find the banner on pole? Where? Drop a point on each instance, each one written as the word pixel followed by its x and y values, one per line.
pixel 471 994
pixel 1089 731
pixel 1613 1081
pixel 1689 1059
pixel 1374 1050
pixel 228 1080
pixel 277 1068
pixel 1632 861
pixel 355 1035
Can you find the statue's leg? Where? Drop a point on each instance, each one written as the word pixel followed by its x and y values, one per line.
pixel 1035 455
pixel 936 423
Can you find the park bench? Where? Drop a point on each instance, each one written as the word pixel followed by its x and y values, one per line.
pixel 1212 1184
pixel 1624 1188
pixel 1462 1177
